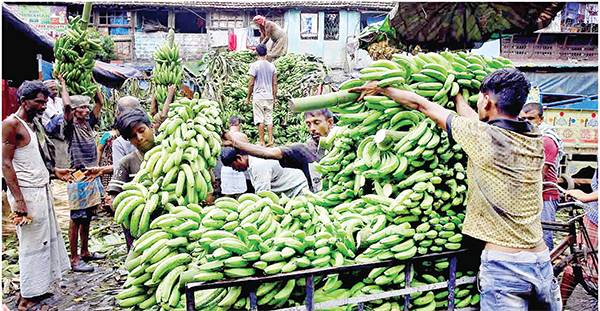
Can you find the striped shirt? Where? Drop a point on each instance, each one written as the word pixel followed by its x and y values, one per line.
pixel 82 143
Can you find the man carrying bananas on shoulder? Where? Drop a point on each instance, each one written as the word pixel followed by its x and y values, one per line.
pixel 302 155
pixel 134 126
pixel 504 200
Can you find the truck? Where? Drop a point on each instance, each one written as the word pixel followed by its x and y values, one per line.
pixel 575 118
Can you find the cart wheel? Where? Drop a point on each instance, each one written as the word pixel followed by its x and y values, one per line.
pixel 569 181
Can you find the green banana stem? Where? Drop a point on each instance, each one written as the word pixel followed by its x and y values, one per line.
pixel 87 10
pixel 323 101
pixel 385 138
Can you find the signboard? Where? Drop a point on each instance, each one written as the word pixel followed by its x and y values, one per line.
pixel 309 25
pixel 577 128
pixel 51 20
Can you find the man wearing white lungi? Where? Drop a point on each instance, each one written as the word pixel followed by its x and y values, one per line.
pixel 42 253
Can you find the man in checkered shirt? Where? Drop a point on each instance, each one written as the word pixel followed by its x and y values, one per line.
pixel 504 200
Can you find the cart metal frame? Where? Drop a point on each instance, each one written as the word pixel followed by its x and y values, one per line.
pixel 252 283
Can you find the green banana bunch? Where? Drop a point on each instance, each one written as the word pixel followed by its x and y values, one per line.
pixel 297 75
pixel 168 69
pixel 264 234
pixel 74 53
pixel 177 170
pixel 395 188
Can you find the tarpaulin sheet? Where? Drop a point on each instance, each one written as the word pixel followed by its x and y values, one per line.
pixel 581 83
pixel 114 75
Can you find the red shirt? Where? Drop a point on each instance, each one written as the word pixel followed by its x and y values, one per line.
pixel 232 41
pixel 550 154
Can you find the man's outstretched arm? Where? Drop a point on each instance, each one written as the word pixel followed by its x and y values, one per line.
pixel 253 150
pixel 409 99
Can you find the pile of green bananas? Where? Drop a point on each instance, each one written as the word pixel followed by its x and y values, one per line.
pixel 395 188
pixel 245 56
pixel 297 76
pixel 263 234
pixel 440 77
pixel 74 53
pixel 168 69
pixel 177 170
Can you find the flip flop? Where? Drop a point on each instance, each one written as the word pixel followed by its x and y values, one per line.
pixel 41 307
pixel 81 266
pixel 32 306
pixel 93 256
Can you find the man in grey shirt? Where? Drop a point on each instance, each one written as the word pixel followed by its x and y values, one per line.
pixel 121 148
pixel 266 174
pixel 263 90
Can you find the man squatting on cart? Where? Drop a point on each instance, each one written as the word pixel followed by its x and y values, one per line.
pixel 504 199
pixel 301 156
pixel 42 252
pixel 269 30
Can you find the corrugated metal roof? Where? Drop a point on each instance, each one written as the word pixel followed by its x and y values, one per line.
pixel 384 5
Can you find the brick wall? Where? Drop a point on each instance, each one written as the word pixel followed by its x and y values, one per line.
pixel 191 45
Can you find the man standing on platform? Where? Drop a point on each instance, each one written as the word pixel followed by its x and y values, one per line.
pixel 263 91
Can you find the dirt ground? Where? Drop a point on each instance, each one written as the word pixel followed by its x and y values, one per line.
pixel 80 291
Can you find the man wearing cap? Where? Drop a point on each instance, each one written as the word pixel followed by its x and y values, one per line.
pixel 53 121
pixel 84 196
pixel 54 105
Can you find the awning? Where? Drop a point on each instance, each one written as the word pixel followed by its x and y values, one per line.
pixel 435 26
pixel 43 42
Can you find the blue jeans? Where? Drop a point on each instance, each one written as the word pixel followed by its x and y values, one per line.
pixel 521 281
pixel 549 214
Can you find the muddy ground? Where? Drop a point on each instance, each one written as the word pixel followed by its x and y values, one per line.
pixel 96 290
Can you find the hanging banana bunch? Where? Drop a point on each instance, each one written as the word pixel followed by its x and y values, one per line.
pixel 168 69
pixel 74 53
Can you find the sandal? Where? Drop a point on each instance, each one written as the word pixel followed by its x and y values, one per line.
pixel 93 256
pixel 28 305
pixel 81 266
pixel 41 307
